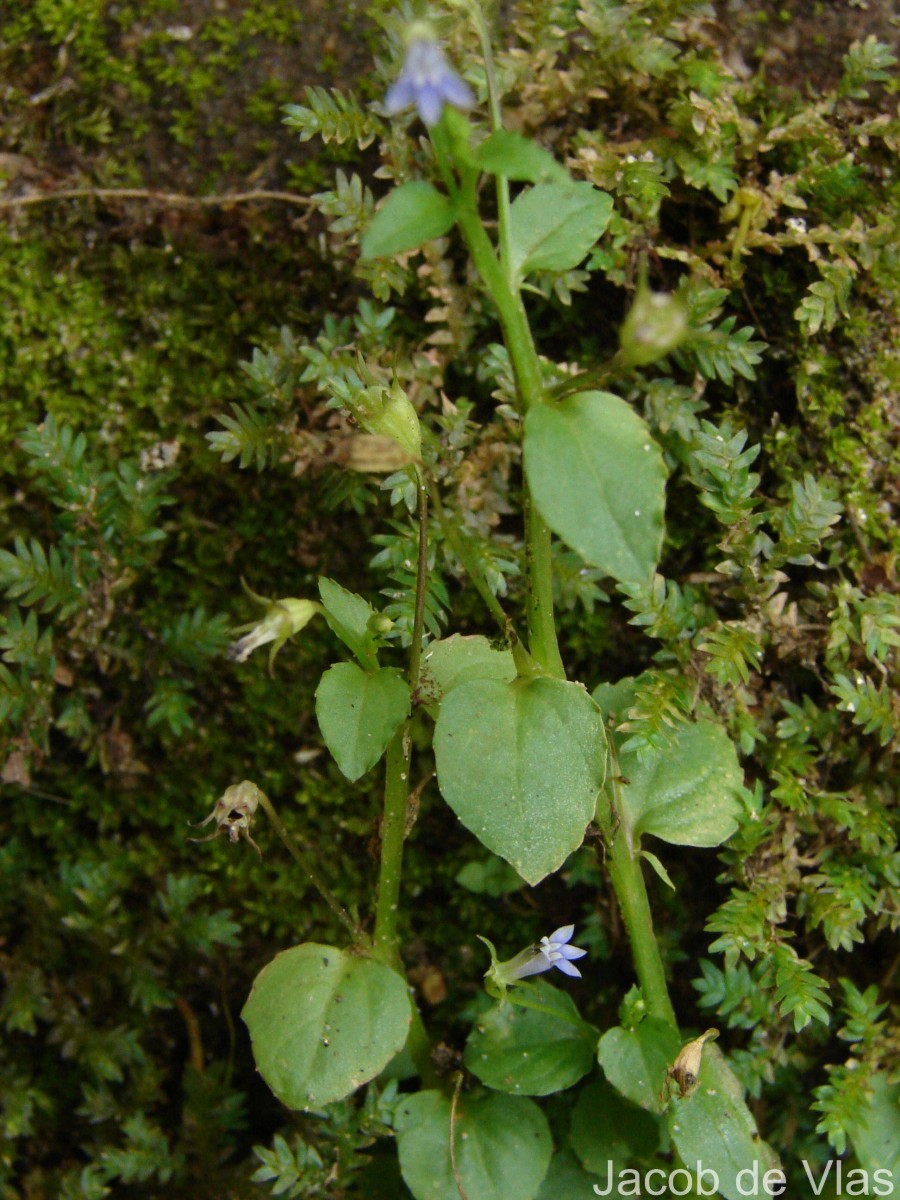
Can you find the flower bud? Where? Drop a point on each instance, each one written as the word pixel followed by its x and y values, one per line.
pixel 656 325
pixel 380 624
pixel 391 414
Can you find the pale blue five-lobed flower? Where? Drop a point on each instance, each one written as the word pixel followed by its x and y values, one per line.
pixel 427 80
pixel 549 952
pixel 558 953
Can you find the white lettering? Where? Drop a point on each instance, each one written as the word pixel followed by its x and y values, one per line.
pixel 701 1172
pixel 598 1191
pixel 863 1181
pixel 688 1176
pixel 629 1176
pixel 883 1179
pixel 662 1191
pixel 770 1179
pixel 751 1188
pixel 825 1174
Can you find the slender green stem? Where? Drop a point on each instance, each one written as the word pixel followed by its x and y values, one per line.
pixel 496 124
pixel 393 832
pixel 393 825
pixel 516 330
pixel 542 640
pixel 387 945
pixel 396 783
pixel 415 654
pixel 505 292
pixel 309 871
pixel 631 892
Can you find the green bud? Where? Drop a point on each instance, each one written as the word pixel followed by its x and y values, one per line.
pixel 655 326
pixel 395 418
pixel 380 624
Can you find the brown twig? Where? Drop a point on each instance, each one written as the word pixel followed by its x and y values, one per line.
pixel 173 199
pixel 192 1025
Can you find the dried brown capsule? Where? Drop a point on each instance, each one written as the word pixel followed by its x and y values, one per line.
pixel 685 1070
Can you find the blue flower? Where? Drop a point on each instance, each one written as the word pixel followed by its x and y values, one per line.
pixel 427 80
pixel 549 952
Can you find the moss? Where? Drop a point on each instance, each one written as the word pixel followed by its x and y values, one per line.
pixel 129 320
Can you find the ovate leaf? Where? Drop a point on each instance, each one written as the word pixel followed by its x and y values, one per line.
pixel 713 1126
pixel 598 480
pixel 348 617
pixel 323 1022
pixel 359 713
pixel 636 1061
pixel 508 153
pixel 413 214
pixel 689 794
pixel 531 1051
pixel 521 764
pixel 553 226
pixel 502 1146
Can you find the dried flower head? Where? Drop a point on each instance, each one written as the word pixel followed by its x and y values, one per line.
pixel 685 1071
pixel 233 814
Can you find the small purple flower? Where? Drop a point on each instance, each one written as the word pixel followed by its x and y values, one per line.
pixel 427 80
pixel 555 951
pixel 549 952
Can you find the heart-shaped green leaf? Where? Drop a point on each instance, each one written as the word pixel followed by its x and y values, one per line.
pixel 502 1146
pixel 521 764
pixel 531 1051
pixel 598 479
pixel 636 1061
pixel 688 795
pixel 323 1022
pixel 413 214
pixel 553 226
pixel 359 712
pixel 508 153
pixel 712 1126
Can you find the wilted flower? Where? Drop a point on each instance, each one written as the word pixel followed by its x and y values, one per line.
pixel 552 951
pixel 233 814
pixel 685 1071
pixel 427 80
pixel 283 619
